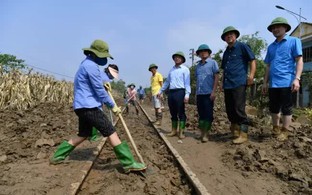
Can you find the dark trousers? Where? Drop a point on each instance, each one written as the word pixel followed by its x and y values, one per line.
pixel 176 104
pixel 280 100
pixel 205 107
pixel 235 103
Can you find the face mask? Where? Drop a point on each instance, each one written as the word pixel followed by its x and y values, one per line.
pixel 100 61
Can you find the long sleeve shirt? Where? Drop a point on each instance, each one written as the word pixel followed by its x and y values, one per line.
pixel 178 78
pixel 89 91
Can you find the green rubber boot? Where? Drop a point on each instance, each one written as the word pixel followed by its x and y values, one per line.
pixel 126 159
pixel 94 136
pixel 62 152
pixel 201 127
pixel 206 129
pixel 181 129
pixel 174 128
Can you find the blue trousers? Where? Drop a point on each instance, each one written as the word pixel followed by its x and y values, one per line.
pixel 205 107
pixel 176 104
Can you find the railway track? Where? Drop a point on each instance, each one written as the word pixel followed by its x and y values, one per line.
pixel 167 172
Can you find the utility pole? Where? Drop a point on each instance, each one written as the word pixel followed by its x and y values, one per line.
pixel 192 55
pixel 298 18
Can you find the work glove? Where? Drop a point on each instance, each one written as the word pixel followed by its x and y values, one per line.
pixel 108 87
pixel 116 110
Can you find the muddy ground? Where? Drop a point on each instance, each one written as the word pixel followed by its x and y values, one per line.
pixel 28 139
pixel 162 176
pixel 261 166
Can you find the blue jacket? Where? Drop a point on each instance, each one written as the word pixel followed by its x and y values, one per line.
pixel 88 87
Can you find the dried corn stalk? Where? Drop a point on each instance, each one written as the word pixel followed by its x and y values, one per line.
pixel 21 91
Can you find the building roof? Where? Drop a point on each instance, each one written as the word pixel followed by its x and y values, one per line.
pixel 306 30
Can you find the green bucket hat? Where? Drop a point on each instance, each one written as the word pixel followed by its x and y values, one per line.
pixel 152 66
pixel 132 84
pixel 179 53
pixel 279 20
pixel 229 29
pixel 99 48
pixel 203 47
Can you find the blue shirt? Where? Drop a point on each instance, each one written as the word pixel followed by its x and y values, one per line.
pixel 235 64
pixel 205 75
pixel 88 87
pixel 178 78
pixel 141 91
pixel 281 56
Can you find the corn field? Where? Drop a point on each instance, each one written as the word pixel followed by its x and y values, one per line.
pixel 21 91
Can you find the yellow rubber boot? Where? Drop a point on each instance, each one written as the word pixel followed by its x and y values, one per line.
pixel 158 119
pixel 283 136
pixel 235 130
pixel 276 131
pixel 243 136
pixel 174 128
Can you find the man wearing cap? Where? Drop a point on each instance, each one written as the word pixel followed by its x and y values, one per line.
pixel 178 81
pixel 89 96
pixel 235 69
pixel 284 67
pixel 207 78
pixel 131 94
pixel 156 84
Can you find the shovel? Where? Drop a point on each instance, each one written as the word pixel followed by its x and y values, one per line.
pixel 128 132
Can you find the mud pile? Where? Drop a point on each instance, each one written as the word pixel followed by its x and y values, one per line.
pixel 290 161
pixel 28 135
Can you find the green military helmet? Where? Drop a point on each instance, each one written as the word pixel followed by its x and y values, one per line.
pixel 152 66
pixel 229 29
pixel 99 48
pixel 179 53
pixel 203 47
pixel 279 20
pixel 132 84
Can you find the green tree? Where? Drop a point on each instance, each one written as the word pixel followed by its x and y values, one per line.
pixel 119 86
pixel 258 45
pixel 9 63
pixel 218 57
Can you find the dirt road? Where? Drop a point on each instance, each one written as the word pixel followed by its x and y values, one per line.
pixel 262 166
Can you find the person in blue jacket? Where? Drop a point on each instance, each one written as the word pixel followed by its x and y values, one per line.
pixel 89 96
pixel 109 73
